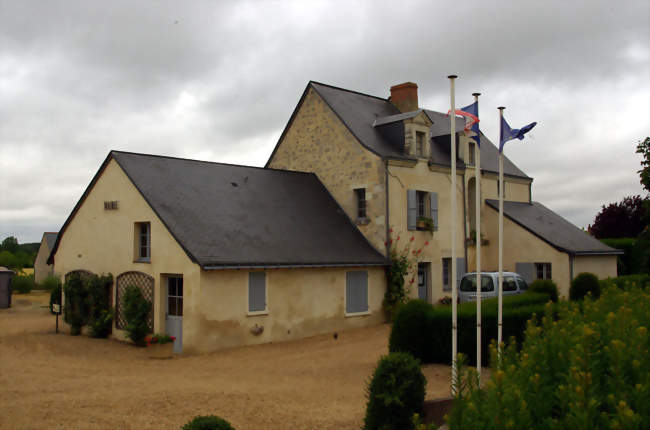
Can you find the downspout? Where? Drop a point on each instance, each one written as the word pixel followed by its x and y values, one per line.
pixel 387 241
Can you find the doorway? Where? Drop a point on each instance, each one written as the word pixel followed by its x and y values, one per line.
pixel 423 281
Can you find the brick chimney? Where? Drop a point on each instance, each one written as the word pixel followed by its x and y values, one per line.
pixel 405 96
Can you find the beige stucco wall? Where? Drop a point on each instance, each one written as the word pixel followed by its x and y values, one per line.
pixel 102 241
pixel 41 268
pixel 317 141
pixel 603 266
pixel 300 303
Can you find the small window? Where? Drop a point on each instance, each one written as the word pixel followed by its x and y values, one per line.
pixel 175 296
pixel 419 144
pixel 446 270
pixel 509 284
pixel 471 151
pixel 143 241
pixel 110 205
pixel 356 292
pixel 422 204
pixel 543 270
pixel 360 194
pixel 257 292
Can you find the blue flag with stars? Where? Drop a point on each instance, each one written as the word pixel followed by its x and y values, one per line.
pixel 508 133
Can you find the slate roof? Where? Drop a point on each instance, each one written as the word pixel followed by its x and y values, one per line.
pixel 359 112
pixel 227 216
pixel 50 239
pixel 399 117
pixel 552 228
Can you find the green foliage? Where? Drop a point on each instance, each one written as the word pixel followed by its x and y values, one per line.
pixel 544 286
pixel 428 224
pixel 401 263
pixel 10 244
pixel 626 218
pixel 583 284
pixel 584 366
pixel 100 317
pixel 17 256
pixel 22 284
pixel 55 297
pixel 395 392
pixel 635 257
pixel 136 314
pixel 643 148
pixel 625 282
pixel 208 422
pixel 76 307
pixel 424 330
pixel 50 282
pixel 101 324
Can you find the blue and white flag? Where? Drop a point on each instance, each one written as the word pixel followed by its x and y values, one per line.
pixel 473 110
pixel 508 133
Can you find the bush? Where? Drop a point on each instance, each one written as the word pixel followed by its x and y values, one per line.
pixel 55 297
pixel 76 307
pixel 50 282
pixel 582 284
pixel 545 286
pixel 588 369
pixel 395 392
pixel 208 422
pixel 136 314
pixel 22 284
pixel 99 299
pixel 424 330
pixel 625 282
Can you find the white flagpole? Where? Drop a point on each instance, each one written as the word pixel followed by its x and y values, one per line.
pixel 501 189
pixel 454 286
pixel 477 175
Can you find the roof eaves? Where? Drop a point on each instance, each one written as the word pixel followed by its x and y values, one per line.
pixel 289 266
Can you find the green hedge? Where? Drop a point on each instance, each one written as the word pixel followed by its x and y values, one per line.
pixel 583 284
pixel 635 257
pixel 626 282
pixel 545 286
pixel 424 330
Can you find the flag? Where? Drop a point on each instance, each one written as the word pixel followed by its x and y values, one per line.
pixel 508 133
pixel 470 118
pixel 473 110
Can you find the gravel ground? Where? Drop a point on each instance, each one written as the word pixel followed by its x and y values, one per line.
pixel 56 381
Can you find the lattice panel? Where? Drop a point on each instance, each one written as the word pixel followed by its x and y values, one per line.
pixel 141 280
pixel 83 274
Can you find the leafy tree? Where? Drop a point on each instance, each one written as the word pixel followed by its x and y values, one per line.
pixel 644 148
pixel 626 218
pixel 10 244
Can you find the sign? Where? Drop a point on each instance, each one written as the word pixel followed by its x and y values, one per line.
pixel 56 308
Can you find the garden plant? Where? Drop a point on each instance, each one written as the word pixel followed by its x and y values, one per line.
pixel 583 284
pixel 136 313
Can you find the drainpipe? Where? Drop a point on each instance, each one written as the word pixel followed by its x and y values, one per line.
pixel 387 220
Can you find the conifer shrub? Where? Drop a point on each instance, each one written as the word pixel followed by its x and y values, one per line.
pixel 100 318
pixel 545 286
pixel 136 313
pixel 584 284
pixel 208 422
pixel 76 307
pixel 395 392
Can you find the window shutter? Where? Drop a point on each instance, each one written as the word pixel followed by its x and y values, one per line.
pixel 526 270
pixel 433 199
pixel 356 292
pixel 256 291
pixel 411 209
pixel 460 270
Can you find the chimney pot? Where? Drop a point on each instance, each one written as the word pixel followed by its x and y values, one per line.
pixel 405 96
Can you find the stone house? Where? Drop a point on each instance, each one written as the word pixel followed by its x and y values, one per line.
pixel 41 269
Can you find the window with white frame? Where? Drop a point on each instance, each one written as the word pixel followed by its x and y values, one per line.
pixel 257 292
pixel 356 292
pixel 143 241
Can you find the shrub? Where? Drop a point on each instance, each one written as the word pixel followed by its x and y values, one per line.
pixel 587 369
pixel 136 314
pixel 22 284
pixel 582 284
pixel 545 286
pixel 55 297
pixel 76 307
pixel 625 282
pixel 100 318
pixel 424 330
pixel 50 282
pixel 395 392
pixel 208 422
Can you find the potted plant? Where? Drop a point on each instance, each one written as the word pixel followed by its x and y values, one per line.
pixel 424 223
pixel 471 241
pixel 160 346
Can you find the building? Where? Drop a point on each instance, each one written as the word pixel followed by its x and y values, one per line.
pixel 41 269
pixel 235 255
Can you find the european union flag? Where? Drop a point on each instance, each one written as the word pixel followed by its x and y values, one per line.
pixel 473 109
pixel 508 133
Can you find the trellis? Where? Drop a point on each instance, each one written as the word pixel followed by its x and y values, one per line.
pixel 146 285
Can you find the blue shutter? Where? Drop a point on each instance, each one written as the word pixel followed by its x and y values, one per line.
pixel 411 209
pixel 526 270
pixel 433 199
pixel 460 270
pixel 256 291
pixel 356 292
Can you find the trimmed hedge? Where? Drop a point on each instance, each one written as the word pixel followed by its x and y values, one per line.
pixel 583 284
pixel 208 422
pixel 424 330
pixel 395 392
pixel 545 286
pixel 626 282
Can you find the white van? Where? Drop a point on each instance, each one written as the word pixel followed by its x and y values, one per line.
pixel 513 283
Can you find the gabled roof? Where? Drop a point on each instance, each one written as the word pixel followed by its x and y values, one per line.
pixel 50 239
pixel 399 117
pixel 227 216
pixel 552 228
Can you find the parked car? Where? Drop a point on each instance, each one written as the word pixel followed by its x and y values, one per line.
pixel 513 283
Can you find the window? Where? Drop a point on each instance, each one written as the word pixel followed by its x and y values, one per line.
pixel 143 241
pixel 419 144
pixel 175 296
pixel 356 292
pixel 470 153
pixel 360 194
pixel 446 270
pixel 257 292
pixel 509 283
pixel 543 270
pixel 469 284
pixel 421 204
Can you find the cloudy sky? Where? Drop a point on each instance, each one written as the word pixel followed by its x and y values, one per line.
pixel 218 81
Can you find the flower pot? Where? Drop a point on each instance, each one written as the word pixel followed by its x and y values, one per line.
pixel 160 350
pixel 421 224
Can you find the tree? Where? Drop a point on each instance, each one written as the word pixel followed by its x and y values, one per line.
pixel 10 244
pixel 623 219
pixel 644 148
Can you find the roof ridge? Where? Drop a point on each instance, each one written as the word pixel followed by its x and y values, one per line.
pixel 208 162
pixel 349 91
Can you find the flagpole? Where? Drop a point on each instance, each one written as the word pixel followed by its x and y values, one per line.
pixel 501 189
pixel 454 286
pixel 477 175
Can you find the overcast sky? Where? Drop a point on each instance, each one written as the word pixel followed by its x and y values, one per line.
pixel 218 81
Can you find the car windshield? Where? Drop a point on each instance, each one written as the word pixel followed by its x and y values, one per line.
pixel 469 283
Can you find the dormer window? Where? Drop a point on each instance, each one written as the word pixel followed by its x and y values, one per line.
pixel 419 144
